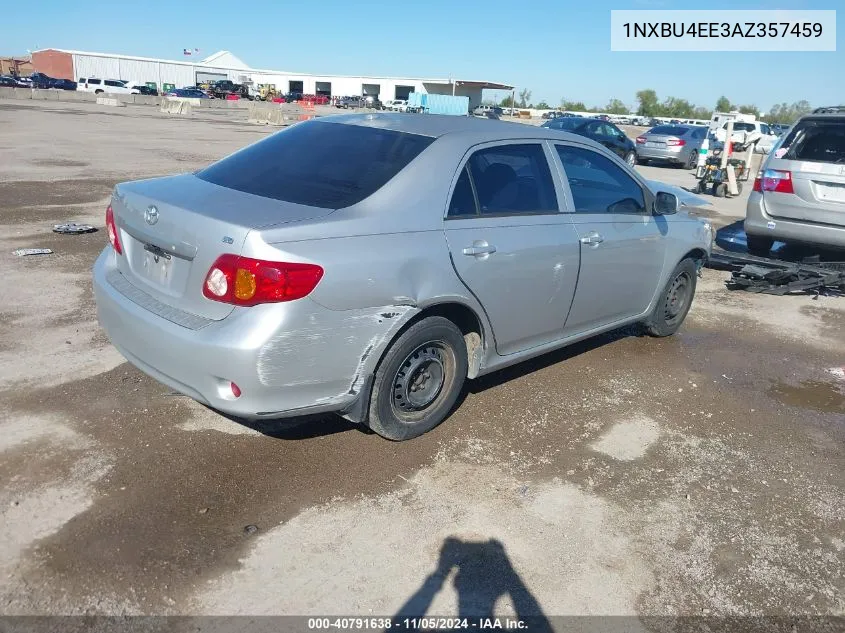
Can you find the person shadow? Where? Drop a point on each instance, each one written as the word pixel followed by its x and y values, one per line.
pixel 484 575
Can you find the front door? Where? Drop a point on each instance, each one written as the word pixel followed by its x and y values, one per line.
pixel 622 244
pixel 510 244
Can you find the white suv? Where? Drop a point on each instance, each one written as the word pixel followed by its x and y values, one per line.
pixel 113 86
pixel 742 128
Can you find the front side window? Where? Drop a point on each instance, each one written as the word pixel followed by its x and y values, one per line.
pixel 513 179
pixel 94 81
pixel 598 185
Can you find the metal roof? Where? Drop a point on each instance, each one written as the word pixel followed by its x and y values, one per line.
pixel 208 61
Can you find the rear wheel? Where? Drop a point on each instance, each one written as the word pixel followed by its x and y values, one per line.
pixel 693 159
pixel 720 190
pixel 675 301
pixel 631 159
pixel 758 245
pixel 419 380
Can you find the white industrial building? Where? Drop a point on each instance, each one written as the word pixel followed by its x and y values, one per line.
pixel 167 74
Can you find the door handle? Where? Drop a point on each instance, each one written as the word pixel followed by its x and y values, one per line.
pixel 593 239
pixel 479 248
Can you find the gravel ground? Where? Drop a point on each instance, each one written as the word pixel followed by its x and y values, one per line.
pixel 700 474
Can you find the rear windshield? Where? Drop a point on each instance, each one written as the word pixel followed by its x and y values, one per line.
pixel 319 164
pixel 669 130
pixel 818 141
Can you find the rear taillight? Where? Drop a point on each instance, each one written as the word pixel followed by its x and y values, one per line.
pixel 676 142
pixel 111 227
pixel 758 186
pixel 641 140
pixel 245 281
pixel 775 180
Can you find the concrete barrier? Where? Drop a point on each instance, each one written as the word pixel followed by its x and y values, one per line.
pixel 46 95
pixel 71 95
pixel 110 101
pixel 266 113
pixel 146 99
pixel 171 105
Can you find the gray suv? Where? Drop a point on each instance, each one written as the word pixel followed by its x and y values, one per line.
pixel 799 193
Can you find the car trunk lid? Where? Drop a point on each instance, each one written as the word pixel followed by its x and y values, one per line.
pixel 173 229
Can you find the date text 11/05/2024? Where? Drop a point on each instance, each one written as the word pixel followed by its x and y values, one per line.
pixel 723 29
pixel 417 624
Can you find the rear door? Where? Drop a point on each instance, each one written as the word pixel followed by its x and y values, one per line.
pixel 510 244
pixel 813 153
pixel 622 244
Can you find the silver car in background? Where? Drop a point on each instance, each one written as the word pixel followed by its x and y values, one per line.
pixel 369 264
pixel 799 192
pixel 676 144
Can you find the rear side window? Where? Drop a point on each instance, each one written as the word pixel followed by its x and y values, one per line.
pixel 669 130
pixel 598 185
pixel 513 179
pixel 463 198
pixel 94 81
pixel 816 140
pixel 319 164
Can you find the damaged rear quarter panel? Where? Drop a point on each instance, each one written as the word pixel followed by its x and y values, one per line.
pixel 371 287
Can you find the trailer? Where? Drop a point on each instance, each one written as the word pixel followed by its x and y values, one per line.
pixel 438 104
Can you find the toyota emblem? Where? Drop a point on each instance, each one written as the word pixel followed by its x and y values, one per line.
pixel 151 215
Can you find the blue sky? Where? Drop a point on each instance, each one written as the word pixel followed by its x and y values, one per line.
pixel 558 50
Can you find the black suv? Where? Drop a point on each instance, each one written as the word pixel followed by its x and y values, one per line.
pixel 600 131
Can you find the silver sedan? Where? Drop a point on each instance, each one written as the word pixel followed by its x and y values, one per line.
pixel 370 264
pixel 676 144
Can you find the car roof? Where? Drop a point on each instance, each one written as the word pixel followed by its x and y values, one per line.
pixel 461 130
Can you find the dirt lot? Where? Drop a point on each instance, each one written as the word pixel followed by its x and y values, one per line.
pixel 700 474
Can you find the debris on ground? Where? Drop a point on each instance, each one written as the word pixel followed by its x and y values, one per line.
pixel 839 372
pixel 777 277
pixel 23 252
pixel 73 228
pixel 250 529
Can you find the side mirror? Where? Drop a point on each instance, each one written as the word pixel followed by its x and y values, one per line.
pixel 666 203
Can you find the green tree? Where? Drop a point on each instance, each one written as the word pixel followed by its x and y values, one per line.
pixel 649 106
pixel 750 109
pixel 615 106
pixel 524 97
pixel 576 106
pixel 677 108
pixel 723 104
pixel 788 113
pixel 702 113
pixel 543 106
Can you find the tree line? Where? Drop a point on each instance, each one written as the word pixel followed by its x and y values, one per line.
pixel 648 104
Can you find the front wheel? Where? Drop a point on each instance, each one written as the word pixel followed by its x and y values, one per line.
pixel 675 301
pixel 419 380
pixel 631 159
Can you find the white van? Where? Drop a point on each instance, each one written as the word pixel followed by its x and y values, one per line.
pixel 111 86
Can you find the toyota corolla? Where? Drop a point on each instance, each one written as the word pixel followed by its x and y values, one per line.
pixel 370 264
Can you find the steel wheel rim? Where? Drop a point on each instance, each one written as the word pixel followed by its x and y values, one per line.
pixel 692 160
pixel 632 159
pixel 676 298
pixel 420 379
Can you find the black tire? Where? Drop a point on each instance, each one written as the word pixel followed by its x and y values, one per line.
pixel 701 187
pixel 97 92
pixel 674 302
pixel 758 245
pixel 429 357
pixel 720 190
pixel 693 159
pixel 642 161
pixel 631 159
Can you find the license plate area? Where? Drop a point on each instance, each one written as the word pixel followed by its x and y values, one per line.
pixel 655 144
pixel 830 192
pixel 157 265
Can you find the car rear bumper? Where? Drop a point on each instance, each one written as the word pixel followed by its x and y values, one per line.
pixel 759 222
pixel 287 359
pixel 674 154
